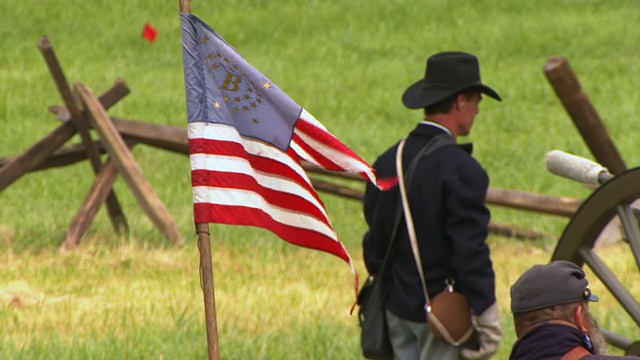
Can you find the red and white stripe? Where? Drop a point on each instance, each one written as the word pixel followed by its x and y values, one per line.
pixel 313 143
pixel 241 181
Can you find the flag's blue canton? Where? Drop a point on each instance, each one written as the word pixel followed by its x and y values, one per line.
pixel 223 88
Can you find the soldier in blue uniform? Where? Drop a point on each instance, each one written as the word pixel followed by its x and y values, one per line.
pixel 447 200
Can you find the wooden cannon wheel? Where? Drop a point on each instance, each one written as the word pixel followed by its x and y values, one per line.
pixel 613 198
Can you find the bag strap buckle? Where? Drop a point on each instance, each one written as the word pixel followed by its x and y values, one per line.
pixel 449 282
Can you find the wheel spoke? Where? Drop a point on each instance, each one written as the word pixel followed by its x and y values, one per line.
pixel 616 340
pixel 611 282
pixel 630 225
pixel 579 237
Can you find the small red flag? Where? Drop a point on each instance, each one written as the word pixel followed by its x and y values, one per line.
pixel 149 32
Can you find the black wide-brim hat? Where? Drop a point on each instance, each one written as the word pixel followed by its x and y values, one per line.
pixel 448 73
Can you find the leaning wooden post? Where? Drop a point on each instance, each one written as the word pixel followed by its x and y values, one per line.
pixel 585 117
pixel 37 154
pixel 81 124
pixel 206 266
pixel 126 164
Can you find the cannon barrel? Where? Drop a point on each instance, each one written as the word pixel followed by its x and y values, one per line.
pixel 577 168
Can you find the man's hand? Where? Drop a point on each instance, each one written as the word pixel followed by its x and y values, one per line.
pixel 487 325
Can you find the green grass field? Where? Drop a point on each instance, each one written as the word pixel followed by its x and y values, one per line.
pixel 347 62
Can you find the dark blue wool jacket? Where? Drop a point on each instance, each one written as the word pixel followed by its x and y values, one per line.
pixel 447 200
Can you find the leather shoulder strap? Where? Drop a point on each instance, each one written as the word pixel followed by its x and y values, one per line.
pixel 433 144
pixel 436 142
pixel 576 353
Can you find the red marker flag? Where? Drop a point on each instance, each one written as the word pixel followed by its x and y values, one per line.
pixel 246 141
pixel 149 32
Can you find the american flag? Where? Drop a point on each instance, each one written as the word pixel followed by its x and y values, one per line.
pixel 246 141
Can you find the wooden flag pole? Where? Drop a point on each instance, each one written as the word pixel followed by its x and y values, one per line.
pixel 206 266
pixel 185 6
pixel 206 278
